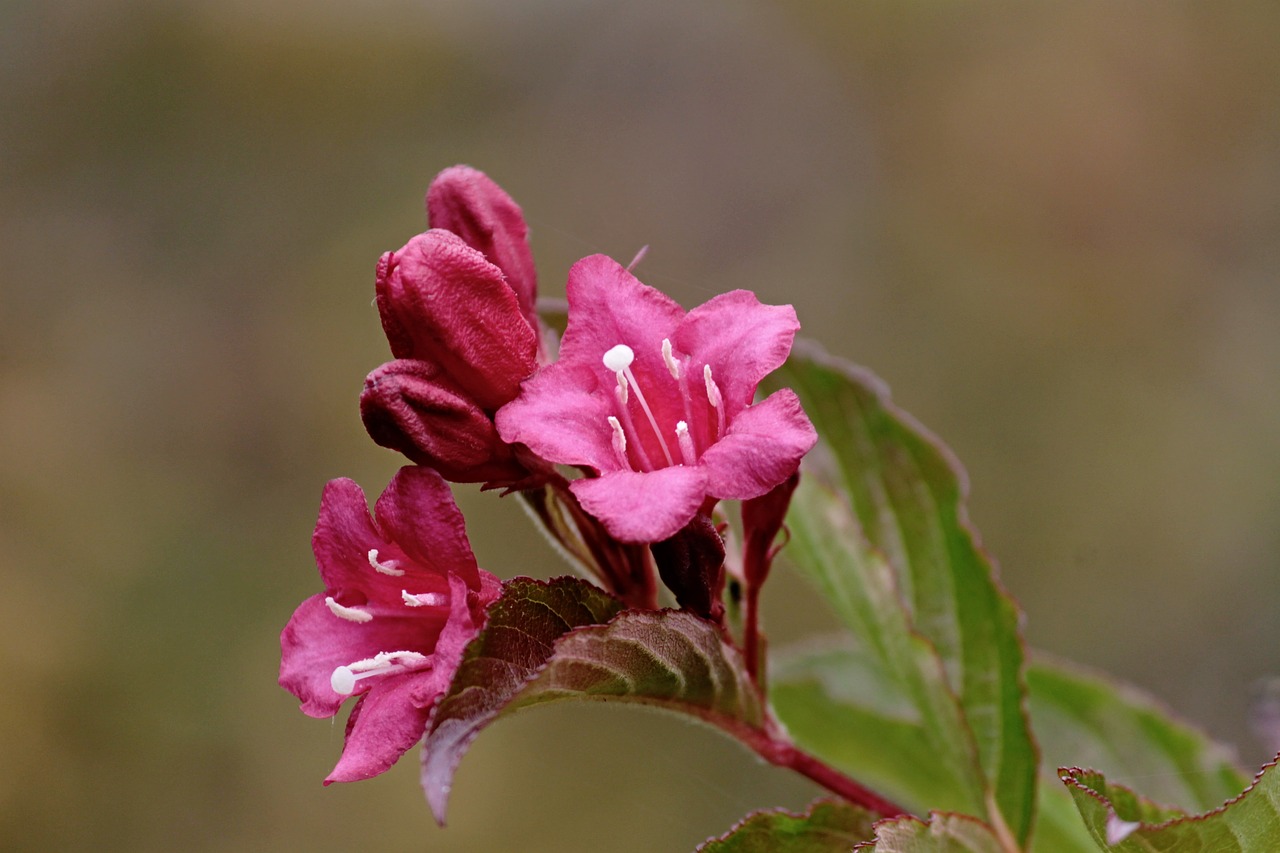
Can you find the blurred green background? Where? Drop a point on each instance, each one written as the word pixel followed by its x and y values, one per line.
pixel 1051 227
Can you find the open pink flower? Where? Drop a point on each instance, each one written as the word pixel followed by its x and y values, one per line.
pixel 658 402
pixel 403 596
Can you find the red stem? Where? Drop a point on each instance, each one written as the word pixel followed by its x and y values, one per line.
pixel 751 633
pixel 777 750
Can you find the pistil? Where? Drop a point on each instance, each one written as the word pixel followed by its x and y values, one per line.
pixel 344 678
pixel 619 359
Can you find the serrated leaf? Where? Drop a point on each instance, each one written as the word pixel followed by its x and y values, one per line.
pixel 828 826
pixel 667 658
pixel 570 640
pixel 518 639
pixel 1122 821
pixel 906 497
pixel 1083 718
pixel 944 833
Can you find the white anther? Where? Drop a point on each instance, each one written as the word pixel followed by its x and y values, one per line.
pixel 423 599
pixel 619 358
pixel 687 452
pixel 343 679
pixel 619 442
pixel 716 399
pixel 670 359
pixel 351 614
pixel 713 390
pixel 387 568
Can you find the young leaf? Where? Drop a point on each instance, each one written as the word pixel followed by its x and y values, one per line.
pixel 907 495
pixel 828 826
pixel 518 639
pixel 567 639
pixel 1121 821
pixel 944 833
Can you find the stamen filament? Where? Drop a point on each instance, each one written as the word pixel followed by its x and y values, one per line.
pixel 670 360
pixel 628 425
pixel 351 614
pixel 387 568
pixel 619 443
pixel 687 452
pixel 423 599
pixel 716 399
pixel 648 413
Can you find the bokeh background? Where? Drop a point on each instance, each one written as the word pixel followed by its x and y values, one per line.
pixel 1051 227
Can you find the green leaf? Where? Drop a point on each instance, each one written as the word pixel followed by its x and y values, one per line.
pixel 519 637
pixel 944 833
pixel 667 658
pixel 899 731
pixel 1120 820
pixel 568 639
pixel 1083 718
pixel 829 826
pixel 905 510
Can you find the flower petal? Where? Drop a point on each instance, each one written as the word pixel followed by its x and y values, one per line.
pixel 344 534
pixel 742 339
pixel 418 512
pixel 643 507
pixel 385 725
pixel 468 203
pixel 609 306
pixel 410 406
pixel 393 715
pixel 442 302
pixel 316 641
pixel 762 448
pixel 562 417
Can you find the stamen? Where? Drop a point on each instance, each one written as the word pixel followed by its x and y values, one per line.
pixel 619 359
pixel 423 599
pixel 648 413
pixel 713 390
pixel 670 359
pixel 387 568
pixel 619 442
pixel 343 679
pixel 687 452
pixel 715 398
pixel 351 614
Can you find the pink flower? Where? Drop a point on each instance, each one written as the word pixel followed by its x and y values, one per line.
pixel 458 311
pixel 657 402
pixel 403 596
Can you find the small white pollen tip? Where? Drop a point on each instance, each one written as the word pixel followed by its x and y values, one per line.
pixel 343 681
pixel 619 358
